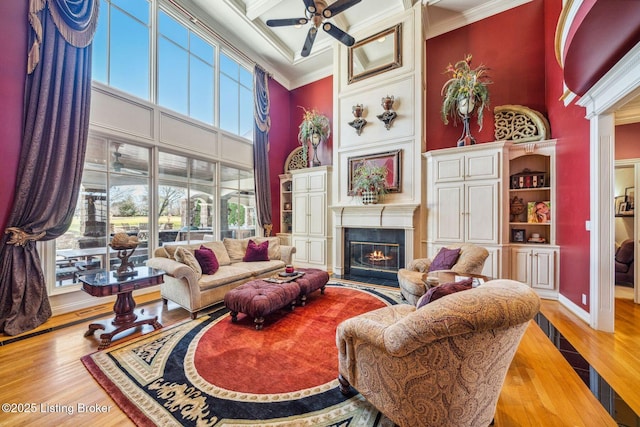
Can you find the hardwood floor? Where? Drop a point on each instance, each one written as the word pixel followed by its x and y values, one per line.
pixel 541 389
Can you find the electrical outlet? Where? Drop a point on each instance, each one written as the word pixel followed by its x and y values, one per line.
pixel 584 299
pixel 587 225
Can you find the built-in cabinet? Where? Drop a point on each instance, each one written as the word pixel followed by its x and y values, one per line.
pixel 311 228
pixel 535 256
pixel 464 199
pixel 501 196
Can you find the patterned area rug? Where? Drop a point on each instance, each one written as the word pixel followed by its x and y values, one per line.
pixel 212 372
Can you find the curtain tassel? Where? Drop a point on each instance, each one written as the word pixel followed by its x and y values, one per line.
pixel 20 237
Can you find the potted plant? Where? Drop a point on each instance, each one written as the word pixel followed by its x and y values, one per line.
pixel 315 128
pixel 465 91
pixel 370 182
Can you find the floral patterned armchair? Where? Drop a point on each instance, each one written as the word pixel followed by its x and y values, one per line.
pixel 442 364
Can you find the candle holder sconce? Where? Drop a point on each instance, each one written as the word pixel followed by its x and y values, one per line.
pixel 358 123
pixel 388 116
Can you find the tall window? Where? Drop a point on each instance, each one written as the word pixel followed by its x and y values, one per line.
pixel 186 199
pixel 121 46
pixel 236 97
pixel 237 203
pixel 114 198
pixel 187 65
pixel 185 70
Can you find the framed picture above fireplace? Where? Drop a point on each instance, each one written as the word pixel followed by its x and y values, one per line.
pixel 392 160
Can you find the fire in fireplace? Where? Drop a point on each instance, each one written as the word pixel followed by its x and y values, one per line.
pixel 373 252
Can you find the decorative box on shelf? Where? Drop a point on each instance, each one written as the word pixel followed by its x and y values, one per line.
pixel 529 179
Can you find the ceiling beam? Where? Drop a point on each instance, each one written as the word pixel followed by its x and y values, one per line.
pixel 255 8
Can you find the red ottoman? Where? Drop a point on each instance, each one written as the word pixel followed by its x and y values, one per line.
pixel 259 298
pixel 312 280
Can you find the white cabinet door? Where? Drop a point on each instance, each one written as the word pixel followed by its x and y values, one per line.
pixel 534 266
pixel 448 168
pixel 317 251
pixel 302 248
pixel 543 269
pixel 300 221
pixel 521 265
pixel 316 214
pixel 449 212
pixel 482 165
pixel 481 212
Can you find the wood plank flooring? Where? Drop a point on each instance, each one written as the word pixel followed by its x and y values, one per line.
pixel 541 389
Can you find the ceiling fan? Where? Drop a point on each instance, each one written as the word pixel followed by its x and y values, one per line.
pixel 317 12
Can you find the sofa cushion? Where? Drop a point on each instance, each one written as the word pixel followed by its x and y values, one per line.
pixel 256 251
pixel 207 260
pixel 260 267
pixel 225 274
pixel 274 246
pixel 624 254
pixel 186 257
pixel 236 248
pixel 220 250
pixel 444 289
pixel 445 259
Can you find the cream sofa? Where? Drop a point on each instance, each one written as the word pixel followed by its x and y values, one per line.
pixel 185 287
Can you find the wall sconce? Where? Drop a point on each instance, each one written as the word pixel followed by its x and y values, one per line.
pixel 359 122
pixel 388 116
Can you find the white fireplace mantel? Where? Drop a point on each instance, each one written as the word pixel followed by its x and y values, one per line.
pixel 372 216
pixel 378 215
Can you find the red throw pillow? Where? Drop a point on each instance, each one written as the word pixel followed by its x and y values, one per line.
pixel 256 252
pixel 207 260
pixel 443 290
pixel 445 259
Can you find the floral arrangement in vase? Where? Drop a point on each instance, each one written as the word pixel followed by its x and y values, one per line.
pixel 369 181
pixel 465 90
pixel 315 128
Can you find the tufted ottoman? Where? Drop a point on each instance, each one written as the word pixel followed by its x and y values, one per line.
pixel 258 298
pixel 312 280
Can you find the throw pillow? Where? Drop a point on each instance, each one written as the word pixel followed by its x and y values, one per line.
pixel 444 289
pixel 187 258
pixel 257 252
pixel 207 260
pixel 445 259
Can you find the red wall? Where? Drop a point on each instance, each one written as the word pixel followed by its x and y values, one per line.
pixel 13 51
pixel 525 72
pixel 317 95
pixel 286 116
pixel 570 127
pixel 628 141
pixel 511 44
pixel 279 144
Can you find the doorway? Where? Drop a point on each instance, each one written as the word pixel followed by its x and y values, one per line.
pixel 626 227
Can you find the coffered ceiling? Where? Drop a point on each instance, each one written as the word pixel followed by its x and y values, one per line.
pixel 242 23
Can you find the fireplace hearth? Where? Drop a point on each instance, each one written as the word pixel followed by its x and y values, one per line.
pixel 372 252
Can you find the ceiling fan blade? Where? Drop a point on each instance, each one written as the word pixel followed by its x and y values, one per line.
pixel 286 22
pixel 308 43
pixel 310 5
pixel 338 34
pixel 338 7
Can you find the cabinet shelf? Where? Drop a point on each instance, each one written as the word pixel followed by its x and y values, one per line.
pixel 534 224
pixel 518 190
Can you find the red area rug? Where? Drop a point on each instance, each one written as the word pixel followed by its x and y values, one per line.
pixel 213 372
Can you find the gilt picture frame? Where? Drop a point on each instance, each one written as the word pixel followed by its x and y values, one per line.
pixel 392 160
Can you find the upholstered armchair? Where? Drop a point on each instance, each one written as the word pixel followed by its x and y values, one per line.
pixel 413 279
pixel 439 365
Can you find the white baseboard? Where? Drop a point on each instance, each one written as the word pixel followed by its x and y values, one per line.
pixel 575 309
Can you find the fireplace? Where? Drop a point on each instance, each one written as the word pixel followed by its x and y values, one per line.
pixel 373 252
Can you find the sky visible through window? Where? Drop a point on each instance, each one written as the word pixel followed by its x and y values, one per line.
pixel 186 66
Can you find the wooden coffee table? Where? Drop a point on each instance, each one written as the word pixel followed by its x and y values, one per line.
pixel 103 283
